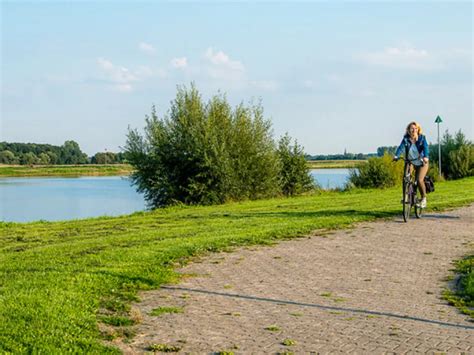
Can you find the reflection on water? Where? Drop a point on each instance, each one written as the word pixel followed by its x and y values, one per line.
pixel 53 199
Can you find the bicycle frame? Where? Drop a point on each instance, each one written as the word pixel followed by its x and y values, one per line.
pixel 410 187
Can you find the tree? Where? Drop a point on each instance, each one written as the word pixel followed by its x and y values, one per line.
pixel 7 157
pixel 29 159
pixel 204 153
pixel 72 154
pixel 451 156
pixel 294 174
pixel 44 159
pixel 104 158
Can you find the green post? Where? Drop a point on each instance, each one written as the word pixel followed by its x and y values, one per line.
pixel 438 121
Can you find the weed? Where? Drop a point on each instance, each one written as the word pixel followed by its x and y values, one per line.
pixel 164 348
pixel 273 328
pixel 296 314
pixel 162 310
pixel 288 342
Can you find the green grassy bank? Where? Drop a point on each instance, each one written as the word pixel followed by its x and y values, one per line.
pixel 64 170
pixel 334 164
pixel 58 280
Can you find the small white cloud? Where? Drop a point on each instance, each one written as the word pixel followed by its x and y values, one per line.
pixel 222 67
pixel 116 73
pixel 179 63
pixel 402 58
pixel 147 48
pixel 221 59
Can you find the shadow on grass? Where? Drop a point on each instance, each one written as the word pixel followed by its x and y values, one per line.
pixel 352 213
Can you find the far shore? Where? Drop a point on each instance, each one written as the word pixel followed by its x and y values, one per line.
pixel 126 169
pixel 65 170
pixel 334 164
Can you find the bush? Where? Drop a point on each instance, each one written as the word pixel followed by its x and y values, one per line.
pixel 208 153
pixel 377 173
pixel 293 176
pixel 456 156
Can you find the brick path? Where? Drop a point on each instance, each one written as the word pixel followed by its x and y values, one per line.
pixel 337 293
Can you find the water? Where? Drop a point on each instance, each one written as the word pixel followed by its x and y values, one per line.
pixel 54 199
pixel 330 178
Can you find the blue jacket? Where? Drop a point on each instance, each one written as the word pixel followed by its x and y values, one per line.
pixel 421 145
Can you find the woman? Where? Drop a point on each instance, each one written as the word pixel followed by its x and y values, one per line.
pixel 417 147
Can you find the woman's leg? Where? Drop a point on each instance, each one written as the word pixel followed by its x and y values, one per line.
pixel 421 172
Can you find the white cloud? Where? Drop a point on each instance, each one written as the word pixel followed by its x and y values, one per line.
pixel 116 73
pixel 222 59
pixel 222 67
pixel 122 78
pixel 179 63
pixel 147 48
pixel 405 57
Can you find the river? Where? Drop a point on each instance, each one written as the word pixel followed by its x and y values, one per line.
pixel 53 199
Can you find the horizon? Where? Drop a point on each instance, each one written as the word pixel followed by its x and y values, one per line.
pixel 336 76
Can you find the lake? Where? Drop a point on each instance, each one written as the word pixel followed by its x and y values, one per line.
pixel 53 199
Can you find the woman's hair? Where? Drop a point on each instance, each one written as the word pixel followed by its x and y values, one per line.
pixel 407 131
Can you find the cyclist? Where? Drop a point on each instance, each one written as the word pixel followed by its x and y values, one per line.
pixel 415 142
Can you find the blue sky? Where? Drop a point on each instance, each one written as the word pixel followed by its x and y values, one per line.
pixel 334 75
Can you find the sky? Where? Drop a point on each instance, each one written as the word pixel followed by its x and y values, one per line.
pixel 335 75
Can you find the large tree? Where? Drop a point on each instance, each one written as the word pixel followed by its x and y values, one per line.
pixel 205 153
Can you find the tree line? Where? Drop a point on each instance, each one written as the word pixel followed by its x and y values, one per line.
pixel 46 154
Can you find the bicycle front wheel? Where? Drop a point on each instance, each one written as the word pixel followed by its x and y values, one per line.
pixel 418 208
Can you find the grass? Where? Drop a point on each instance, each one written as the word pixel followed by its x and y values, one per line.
pixel 64 170
pixel 162 310
pixel 59 280
pixel 463 296
pixel 334 164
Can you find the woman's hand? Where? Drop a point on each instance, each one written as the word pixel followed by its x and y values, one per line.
pixel 425 160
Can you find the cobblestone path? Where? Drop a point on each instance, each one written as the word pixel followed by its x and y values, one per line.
pixel 373 289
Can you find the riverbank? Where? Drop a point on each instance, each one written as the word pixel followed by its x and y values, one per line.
pixel 60 279
pixel 126 169
pixel 65 170
pixel 334 164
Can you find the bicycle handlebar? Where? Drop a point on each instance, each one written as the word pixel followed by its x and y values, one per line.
pixel 409 160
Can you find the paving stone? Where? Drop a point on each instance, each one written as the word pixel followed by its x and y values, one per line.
pixel 388 267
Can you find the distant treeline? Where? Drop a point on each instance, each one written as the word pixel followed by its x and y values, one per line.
pixel 345 156
pixel 46 154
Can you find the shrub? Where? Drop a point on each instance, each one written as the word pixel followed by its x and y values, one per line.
pixel 462 162
pixel 456 156
pixel 378 172
pixel 209 153
pixel 293 176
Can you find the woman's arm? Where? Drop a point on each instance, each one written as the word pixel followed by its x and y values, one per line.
pixel 400 147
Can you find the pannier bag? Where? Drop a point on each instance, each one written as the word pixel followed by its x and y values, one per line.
pixel 429 184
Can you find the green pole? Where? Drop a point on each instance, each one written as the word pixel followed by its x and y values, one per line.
pixel 438 121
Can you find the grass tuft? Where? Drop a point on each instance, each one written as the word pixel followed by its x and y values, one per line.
pixel 162 310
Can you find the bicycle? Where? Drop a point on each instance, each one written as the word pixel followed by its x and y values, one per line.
pixel 410 188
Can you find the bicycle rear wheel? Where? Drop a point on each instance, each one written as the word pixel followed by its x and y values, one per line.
pixel 407 200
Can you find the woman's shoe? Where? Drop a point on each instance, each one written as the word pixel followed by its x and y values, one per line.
pixel 423 202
